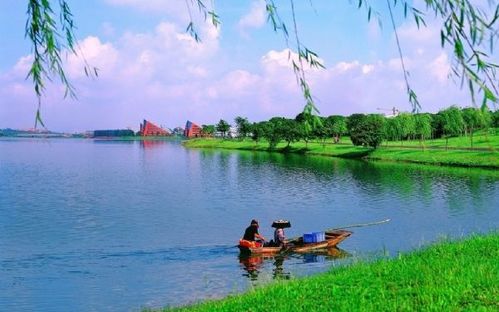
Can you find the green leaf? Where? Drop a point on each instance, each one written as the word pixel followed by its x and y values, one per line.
pixel 38 119
pixel 489 95
pixel 458 49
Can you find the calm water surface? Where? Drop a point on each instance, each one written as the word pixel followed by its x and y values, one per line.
pixel 117 226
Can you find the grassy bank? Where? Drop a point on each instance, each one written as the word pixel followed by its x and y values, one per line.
pixel 436 156
pixel 463 158
pixel 450 276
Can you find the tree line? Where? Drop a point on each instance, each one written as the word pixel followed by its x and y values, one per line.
pixel 367 130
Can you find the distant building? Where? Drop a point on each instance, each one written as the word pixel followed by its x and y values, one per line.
pixel 192 130
pixel 233 133
pixel 112 133
pixel 178 131
pixel 147 128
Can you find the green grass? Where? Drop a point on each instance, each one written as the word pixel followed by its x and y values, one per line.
pixel 449 276
pixel 451 157
pixel 461 158
pixel 481 140
pixel 349 151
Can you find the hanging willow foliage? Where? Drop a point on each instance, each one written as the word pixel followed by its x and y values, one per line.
pixel 467 29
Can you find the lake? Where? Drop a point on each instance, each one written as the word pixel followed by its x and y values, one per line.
pixel 88 225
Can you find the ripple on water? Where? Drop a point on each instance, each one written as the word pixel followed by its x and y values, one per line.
pixel 116 226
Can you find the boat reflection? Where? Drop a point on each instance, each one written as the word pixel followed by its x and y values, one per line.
pixel 253 265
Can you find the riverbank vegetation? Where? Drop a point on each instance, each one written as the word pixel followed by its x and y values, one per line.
pixel 433 156
pixel 453 136
pixel 447 276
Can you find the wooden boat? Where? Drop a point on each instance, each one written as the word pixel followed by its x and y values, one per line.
pixel 333 238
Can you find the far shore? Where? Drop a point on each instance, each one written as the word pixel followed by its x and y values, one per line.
pixel 483 156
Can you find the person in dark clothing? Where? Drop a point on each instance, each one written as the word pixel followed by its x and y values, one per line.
pixel 251 234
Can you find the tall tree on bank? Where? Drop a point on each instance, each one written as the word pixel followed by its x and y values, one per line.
pixel 208 130
pixel 307 126
pixel 243 126
pixel 368 130
pixel 393 129
pixel 468 30
pixel 338 127
pixel 422 127
pixel 495 119
pixel 291 131
pixel 257 131
pixel 223 127
pixel 407 125
pixel 273 131
pixel 452 123
pixel 474 119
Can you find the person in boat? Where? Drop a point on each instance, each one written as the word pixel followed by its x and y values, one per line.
pixel 251 233
pixel 279 236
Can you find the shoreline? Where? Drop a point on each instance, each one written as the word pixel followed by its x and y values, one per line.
pixel 436 157
pixel 445 275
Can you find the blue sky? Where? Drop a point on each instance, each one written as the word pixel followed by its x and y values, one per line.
pixel 149 68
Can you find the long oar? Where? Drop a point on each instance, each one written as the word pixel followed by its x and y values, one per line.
pixel 346 227
pixel 358 225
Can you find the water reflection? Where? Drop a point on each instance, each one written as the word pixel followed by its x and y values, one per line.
pixel 112 219
pixel 381 183
pixel 149 144
pixel 254 265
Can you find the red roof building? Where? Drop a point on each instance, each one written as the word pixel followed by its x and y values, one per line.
pixel 147 128
pixel 192 130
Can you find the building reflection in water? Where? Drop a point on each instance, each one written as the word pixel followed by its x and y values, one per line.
pixel 252 265
pixel 148 144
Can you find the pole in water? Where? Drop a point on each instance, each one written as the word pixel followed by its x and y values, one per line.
pixel 347 227
pixel 359 225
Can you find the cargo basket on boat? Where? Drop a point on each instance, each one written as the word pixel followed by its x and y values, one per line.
pixel 281 224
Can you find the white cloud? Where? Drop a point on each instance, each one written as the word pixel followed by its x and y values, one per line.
pixel 440 67
pixel 23 65
pixel 103 56
pixel 255 18
pixel 277 60
pixel 165 76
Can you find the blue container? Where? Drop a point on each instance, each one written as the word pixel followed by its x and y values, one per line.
pixel 308 238
pixel 319 237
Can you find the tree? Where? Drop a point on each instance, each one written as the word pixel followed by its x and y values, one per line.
pixel 452 123
pixel 368 131
pixel 208 130
pixel 474 119
pixel 422 127
pixel 407 125
pixel 470 31
pixel 291 131
pixel 223 127
pixel 495 119
pixel 393 129
pixel 437 129
pixel 273 131
pixel 307 126
pixel 257 131
pixel 321 132
pixel 338 127
pixel 353 122
pixel 243 126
